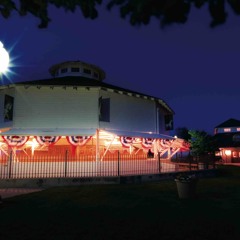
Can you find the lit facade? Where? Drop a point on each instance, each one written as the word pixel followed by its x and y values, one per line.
pixel 75 115
pixel 227 135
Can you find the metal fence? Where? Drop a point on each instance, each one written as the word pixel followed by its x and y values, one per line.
pixel 64 166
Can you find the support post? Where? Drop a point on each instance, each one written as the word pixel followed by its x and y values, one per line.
pixel 10 164
pixel 118 163
pixel 109 145
pixel 97 146
pixel 159 163
pixel 66 158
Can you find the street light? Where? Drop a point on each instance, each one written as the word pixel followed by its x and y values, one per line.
pixel 4 59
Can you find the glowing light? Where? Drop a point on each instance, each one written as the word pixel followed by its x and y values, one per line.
pixel 4 59
pixel 228 152
pixel 227 129
pixel 32 144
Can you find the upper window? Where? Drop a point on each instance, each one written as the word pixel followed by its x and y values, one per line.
pixel 87 71
pixel 95 74
pixel 75 69
pixel 227 129
pixel 168 122
pixel 8 108
pixel 64 70
pixel 104 109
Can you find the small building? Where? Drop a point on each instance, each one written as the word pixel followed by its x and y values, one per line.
pixel 227 135
pixel 75 118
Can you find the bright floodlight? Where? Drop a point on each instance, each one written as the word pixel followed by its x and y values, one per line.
pixel 4 59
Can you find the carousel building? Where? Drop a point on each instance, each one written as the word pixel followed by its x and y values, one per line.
pixel 74 124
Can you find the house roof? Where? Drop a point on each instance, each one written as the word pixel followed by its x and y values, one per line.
pixel 229 123
pixel 79 81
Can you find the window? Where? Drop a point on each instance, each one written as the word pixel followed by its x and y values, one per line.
pixel 235 154
pixel 104 109
pixel 75 69
pixel 8 108
pixel 95 74
pixel 64 70
pixel 236 138
pixel 168 122
pixel 87 71
pixel 227 129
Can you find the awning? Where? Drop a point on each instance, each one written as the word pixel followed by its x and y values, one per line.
pixel 50 132
pixel 139 134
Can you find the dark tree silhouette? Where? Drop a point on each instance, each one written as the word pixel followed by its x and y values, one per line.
pixel 202 143
pixel 138 11
pixel 183 132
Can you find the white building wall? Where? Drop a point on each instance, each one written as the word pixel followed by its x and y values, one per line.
pixel 56 108
pixel 45 107
pixel 130 113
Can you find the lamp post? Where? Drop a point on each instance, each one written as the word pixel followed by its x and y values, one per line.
pixel 4 59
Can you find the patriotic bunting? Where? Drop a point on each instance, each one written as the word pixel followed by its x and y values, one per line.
pixel 126 141
pixel 15 141
pixel 165 143
pixel 78 140
pixel 147 142
pixel 47 140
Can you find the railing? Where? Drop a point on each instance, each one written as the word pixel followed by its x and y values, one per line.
pixel 64 166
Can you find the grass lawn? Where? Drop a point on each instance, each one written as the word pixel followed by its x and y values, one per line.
pixel 137 211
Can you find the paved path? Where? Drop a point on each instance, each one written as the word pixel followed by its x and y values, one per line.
pixel 11 192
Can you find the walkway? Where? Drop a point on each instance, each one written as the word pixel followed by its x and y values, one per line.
pixel 11 192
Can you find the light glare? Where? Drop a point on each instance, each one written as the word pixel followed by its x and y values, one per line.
pixel 4 59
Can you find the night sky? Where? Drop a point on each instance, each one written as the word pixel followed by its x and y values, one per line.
pixel 192 67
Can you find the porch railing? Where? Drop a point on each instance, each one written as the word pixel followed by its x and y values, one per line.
pixel 64 166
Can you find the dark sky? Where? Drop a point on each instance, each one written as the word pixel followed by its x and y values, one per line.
pixel 194 68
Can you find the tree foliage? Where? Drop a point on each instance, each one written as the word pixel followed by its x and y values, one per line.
pixel 138 11
pixel 183 133
pixel 39 8
pixel 202 143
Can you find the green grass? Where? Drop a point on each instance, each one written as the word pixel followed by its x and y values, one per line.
pixel 141 211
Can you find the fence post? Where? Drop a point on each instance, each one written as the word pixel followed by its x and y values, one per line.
pixel 118 163
pixel 10 164
pixel 190 164
pixel 159 163
pixel 66 157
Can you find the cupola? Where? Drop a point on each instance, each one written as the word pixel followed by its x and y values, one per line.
pixel 77 68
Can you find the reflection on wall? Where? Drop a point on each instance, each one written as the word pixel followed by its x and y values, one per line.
pixel 168 122
pixel 8 108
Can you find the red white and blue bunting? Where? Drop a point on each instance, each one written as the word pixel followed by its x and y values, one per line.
pixel 47 140
pixel 78 140
pixel 15 141
pixel 165 143
pixel 127 141
pixel 147 142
